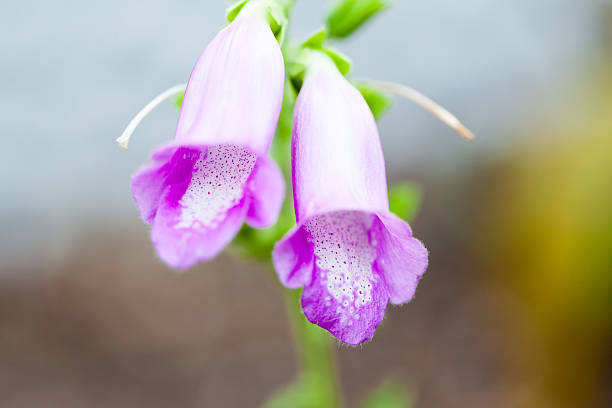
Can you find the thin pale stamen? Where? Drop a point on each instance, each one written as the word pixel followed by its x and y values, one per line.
pixel 124 139
pixel 420 99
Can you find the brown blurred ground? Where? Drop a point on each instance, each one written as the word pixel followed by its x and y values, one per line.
pixel 110 326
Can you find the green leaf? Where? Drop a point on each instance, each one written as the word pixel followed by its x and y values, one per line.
pixel 233 10
pixel 178 100
pixel 306 393
pixel 405 200
pixel 346 16
pixel 379 102
pixel 316 40
pixel 388 395
pixel 342 61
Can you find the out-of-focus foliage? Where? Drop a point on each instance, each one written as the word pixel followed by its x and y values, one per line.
pixel 378 102
pixel 342 61
pixel 317 384
pixel 233 10
pixel 405 200
pixel 178 101
pixel 316 39
pixel 552 214
pixel 346 16
pixel 388 395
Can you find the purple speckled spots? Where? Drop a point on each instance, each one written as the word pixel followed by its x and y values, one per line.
pixel 347 295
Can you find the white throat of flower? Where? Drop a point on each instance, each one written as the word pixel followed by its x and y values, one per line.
pixel 217 185
pixel 344 255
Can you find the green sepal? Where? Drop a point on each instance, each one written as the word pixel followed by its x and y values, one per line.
pixel 298 62
pixel 343 63
pixel 346 16
pixel 278 19
pixel 232 12
pixel 316 40
pixel 405 200
pixel 178 100
pixel 297 58
pixel 276 13
pixel 379 102
pixel 296 71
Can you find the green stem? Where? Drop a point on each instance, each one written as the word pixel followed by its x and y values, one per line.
pixel 317 384
pixel 317 354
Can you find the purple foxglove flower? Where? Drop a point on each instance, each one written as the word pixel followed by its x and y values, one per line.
pixel 197 191
pixel 351 255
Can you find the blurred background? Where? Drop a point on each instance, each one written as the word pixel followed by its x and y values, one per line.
pixel 514 311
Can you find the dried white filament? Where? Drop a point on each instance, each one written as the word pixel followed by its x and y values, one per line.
pixel 422 100
pixel 124 139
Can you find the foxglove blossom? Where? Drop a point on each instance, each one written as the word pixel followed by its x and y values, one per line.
pixel 349 253
pixel 197 190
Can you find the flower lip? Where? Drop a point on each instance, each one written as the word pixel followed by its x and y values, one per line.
pixel 196 197
pixel 351 263
pixel 346 294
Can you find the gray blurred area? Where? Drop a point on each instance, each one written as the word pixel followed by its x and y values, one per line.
pixel 90 318
pixel 74 73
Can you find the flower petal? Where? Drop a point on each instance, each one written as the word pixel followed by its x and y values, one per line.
pixel 267 191
pixel 335 315
pixel 293 258
pixel 337 157
pixel 402 259
pixel 235 90
pixel 347 295
pixel 181 248
pixel 203 204
pixel 149 181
